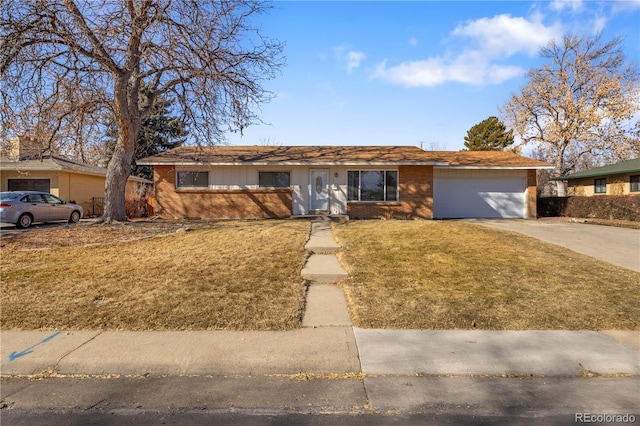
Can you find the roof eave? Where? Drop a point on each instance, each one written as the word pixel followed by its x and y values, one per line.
pixel 499 167
pixel 58 169
pixel 592 175
pixel 295 163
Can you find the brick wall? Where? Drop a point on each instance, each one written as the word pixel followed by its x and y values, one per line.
pixel 532 183
pixel 415 197
pixel 217 204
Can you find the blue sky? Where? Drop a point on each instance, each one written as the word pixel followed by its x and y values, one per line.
pixel 402 73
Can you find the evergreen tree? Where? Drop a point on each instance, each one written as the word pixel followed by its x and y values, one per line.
pixel 159 132
pixel 488 135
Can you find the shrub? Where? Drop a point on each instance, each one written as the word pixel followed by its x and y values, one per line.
pixel 611 207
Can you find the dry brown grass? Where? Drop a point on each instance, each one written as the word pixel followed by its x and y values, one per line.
pixel 453 275
pixel 227 275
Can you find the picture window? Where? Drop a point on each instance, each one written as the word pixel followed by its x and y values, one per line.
pixel 372 185
pixel 274 179
pixel 192 179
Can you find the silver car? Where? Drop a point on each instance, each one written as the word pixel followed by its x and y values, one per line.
pixel 26 207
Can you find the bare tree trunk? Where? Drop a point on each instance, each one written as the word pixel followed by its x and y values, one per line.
pixel 118 172
pixel 559 163
pixel 119 168
pixel 561 188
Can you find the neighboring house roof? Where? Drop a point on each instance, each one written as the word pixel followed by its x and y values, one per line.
pixel 629 166
pixel 58 163
pixel 337 155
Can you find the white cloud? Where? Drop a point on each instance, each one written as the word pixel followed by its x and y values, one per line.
pixel 620 6
pixel 354 59
pixel 504 35
pixel 350 59
pixel 435 71
pixel 599 23
pixel 560 5
pixel 490 40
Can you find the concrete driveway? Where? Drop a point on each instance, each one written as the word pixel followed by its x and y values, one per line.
pixel 619 246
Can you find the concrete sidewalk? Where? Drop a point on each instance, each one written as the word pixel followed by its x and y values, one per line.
pixel 323 370
pixel 328 366
pixel 319 350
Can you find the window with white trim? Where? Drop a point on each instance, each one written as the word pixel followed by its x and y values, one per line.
pixel 192 179
pixel 274 179
pixel 372 185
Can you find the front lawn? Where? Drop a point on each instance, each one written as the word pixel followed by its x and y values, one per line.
pixel 456 275
pixel 226 275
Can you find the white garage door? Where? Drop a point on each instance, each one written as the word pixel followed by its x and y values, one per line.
pixel 462 197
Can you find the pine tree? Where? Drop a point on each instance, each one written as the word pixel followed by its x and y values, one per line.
pixel 488 135
pixel 159 132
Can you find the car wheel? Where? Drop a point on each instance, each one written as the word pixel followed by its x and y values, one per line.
pixel 24 221
pixel 75 217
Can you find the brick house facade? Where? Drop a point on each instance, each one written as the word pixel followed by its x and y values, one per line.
pixel 359 181
pixel 221 203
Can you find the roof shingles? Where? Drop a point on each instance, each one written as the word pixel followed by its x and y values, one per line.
pixel 629 166
pixel 59 163
pixel 339 155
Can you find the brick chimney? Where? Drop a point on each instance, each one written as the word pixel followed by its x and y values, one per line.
pixel 26 148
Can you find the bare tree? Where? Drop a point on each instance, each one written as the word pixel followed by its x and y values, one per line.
pixel 583 102
pixel 66 65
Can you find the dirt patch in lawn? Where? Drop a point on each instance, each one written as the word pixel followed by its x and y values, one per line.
pixel 87 233
pixel 452 275
pixel 146 276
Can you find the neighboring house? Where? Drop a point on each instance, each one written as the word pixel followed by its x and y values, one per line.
pixel 358 181
pixel 622 178
pixel 80 183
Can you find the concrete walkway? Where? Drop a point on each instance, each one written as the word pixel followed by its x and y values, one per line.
pixel 326 305
pixel 328 366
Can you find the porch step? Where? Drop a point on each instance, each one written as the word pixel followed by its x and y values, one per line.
pixel 334 217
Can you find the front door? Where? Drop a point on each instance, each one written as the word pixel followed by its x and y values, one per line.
pixel 319 180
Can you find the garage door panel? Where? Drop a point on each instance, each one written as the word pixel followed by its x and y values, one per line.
pixel 42 185
pixel 506 204
pixel 479 198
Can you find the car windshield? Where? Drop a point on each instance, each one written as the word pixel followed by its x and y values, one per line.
pixel 9 195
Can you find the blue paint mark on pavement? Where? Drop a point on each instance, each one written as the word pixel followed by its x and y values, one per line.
pixel 15 355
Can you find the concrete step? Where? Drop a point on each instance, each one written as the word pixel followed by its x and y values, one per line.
pixel 323 269
pixel 326 307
